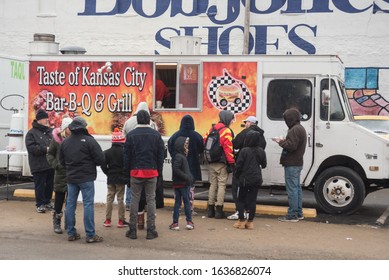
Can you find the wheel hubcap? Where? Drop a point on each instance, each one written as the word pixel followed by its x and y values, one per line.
pixel 338 191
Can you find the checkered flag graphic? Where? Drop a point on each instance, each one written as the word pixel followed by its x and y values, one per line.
pixel 227 79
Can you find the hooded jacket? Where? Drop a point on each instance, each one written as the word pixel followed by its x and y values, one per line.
pixel 131 123
pixel 182 176
pixel 37 141
pixel 80 154
pixel 226 136
pixel 250 161
pixel 60 182
pixel 240 138
pixel 196 145
pixel 295 141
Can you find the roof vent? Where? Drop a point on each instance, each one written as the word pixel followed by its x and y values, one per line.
pixel 73 50
pixel 44 44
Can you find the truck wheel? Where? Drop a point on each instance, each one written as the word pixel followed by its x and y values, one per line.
pixel 223 102
pixel 339 190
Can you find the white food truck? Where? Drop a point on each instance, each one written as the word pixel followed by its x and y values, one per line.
pixel 343 161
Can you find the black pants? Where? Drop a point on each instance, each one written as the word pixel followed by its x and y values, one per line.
pixel 247 199
pixel 60 198
pixel 44 184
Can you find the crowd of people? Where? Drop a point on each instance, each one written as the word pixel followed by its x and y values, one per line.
pixel 65 159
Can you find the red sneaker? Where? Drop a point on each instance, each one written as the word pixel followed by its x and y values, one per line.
pixel 122 224
pixel 107 223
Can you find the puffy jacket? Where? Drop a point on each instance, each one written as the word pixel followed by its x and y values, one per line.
pixel 80 154
pixel 180 167
pixel 250 161
pixel 37 141
pixel 60 182
pixel 113 165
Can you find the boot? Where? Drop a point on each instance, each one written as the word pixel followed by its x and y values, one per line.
pixel 219 212
pixel 249 225
pixel 151 234
pixel 211 211
pixel 131 233
pixel 141 220
pixel 57 222
pixel 240 224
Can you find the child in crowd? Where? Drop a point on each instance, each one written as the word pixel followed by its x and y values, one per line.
pixel 182 180
pixel 116 178
pixel 249 175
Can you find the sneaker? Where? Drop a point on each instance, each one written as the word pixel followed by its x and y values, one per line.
pixel 131 233
pixel 246 215
pixel 107 223
pixel 122 224
pixel 94 239
pixel 301 217
pixel 41 209
pixel 49 207
pixel 74 237
pixel 288 219
pixel 194 213
pixel 174 226
pixel 234 216
pixel 189 225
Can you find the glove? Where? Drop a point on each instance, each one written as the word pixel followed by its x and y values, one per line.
pixel 230 168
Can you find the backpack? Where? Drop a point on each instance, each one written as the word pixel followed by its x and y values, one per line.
pixel 213 151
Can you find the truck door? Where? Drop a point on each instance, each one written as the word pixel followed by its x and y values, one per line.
pixel 277 96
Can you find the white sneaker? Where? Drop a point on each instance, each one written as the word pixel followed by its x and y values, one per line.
pixel 234 216
pixel 246 215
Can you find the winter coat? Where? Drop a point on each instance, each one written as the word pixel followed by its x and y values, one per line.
pixel 37 141
pixel 296 140
pixel 182 176
pixel 80 154
pixel 60 182
pixel 144 152
pixel 196 145
pixel 240 138
pixel 226 136
pixel 113 165
pixel 251 158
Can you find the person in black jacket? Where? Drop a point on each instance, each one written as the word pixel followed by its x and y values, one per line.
pixel 250 124
pixel 116 178
pixel 37 142
pixel 196 147
pixel 249 175
pixel 144 153
pixel 182 180
pixel 81 154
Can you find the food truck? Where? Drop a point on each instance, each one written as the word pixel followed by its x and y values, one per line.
pixel 343 161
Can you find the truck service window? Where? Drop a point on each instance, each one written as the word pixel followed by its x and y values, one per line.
pixel 176 86
pixel 288 93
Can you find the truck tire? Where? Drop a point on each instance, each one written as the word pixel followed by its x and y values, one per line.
pixel 339 190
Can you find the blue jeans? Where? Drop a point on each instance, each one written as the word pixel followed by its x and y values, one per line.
pixel 181 194
pixel 293 188
pixel 128 195
pixel 88 194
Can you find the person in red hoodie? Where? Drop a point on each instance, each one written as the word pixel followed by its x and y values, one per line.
pixel 219 170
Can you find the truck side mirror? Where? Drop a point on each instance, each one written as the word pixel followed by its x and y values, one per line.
pixel 325 97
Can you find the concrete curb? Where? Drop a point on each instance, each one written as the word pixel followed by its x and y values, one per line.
pixel 202 205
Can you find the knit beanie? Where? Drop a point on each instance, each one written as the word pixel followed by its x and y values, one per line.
pixel 65 123
pixel 117 136
pixel 41 114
